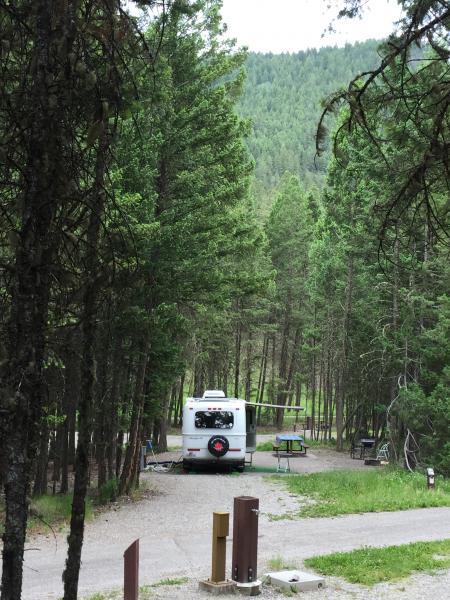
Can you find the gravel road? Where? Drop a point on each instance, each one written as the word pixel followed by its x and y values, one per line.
pixel 174 527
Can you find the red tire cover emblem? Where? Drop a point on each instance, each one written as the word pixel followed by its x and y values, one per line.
pixel 218 446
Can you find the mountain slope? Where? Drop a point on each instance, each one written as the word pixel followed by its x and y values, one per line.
pixel 282 97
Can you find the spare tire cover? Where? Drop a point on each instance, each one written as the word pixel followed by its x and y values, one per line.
pixel 218 445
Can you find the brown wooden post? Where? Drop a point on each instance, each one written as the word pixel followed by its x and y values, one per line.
pixel 219 545
pixel 131 572
pixel 245 539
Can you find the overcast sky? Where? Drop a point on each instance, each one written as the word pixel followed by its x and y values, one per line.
pixel 293 25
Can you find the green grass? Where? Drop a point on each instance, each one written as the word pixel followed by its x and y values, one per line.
pixel 265 446
pixel 170 581
pixel 278 563
pixel 112 595
pixel 108 492
pixel 344 492
pixel 54 510
pixel 369 566
pixel 48 510
pixel 146 591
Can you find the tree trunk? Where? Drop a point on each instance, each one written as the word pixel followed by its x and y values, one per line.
pixel 262 381
pixel 103 404
pixel 237 359
pixel 22 387
pixel 282 373
pixel 111 423
pixel 340 397
pixel 248 368
pixel 89 329
pixel 179 411
pixel 126 477
pixel 40 478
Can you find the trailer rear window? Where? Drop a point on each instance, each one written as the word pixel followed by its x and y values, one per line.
pixel 216 419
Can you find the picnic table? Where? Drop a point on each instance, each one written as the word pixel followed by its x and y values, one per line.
pixel 287 442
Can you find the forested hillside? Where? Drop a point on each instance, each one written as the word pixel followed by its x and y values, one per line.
pixel 283 96
pixel 138 265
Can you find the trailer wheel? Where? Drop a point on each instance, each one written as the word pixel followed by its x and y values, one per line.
pixel 218 445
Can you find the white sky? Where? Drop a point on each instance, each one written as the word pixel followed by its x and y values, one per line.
pixel 292 25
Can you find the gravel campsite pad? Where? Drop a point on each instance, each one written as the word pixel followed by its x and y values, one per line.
pixel 417 587
pixel 174 519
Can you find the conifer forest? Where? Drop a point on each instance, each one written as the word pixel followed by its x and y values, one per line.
pixel 178 214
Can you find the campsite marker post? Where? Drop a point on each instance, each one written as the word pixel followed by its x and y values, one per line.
pixel 131 572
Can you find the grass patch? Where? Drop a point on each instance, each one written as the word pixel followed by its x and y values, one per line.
pixel 265 446
pixel 146 591
pixel 369 566
pixel 278 563
pixel 108 492
pixel 54 510
pixel 112 595
pixel 170 581
pixel 344 492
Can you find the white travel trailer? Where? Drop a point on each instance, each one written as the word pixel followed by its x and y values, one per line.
pixel 218 430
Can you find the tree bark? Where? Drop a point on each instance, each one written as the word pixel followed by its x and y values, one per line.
pixel 23 394
pixel 237 359
pixel 126 477
pixel 89 329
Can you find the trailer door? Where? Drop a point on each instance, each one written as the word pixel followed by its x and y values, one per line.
pixel 250 426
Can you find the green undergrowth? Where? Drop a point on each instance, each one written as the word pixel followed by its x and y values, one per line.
pixel 108 492
pixel 375 490
pixel 53 511
pixel 368 566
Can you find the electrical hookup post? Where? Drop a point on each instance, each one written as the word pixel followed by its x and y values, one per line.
pixel 244 575
pixel 244 570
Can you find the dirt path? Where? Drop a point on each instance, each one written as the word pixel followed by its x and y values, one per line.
pixel 174 527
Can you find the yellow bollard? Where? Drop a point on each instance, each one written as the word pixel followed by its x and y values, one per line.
pixel 218 584
pixel 219 545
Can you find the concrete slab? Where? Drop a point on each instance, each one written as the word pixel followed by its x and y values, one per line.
pixel 296 580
